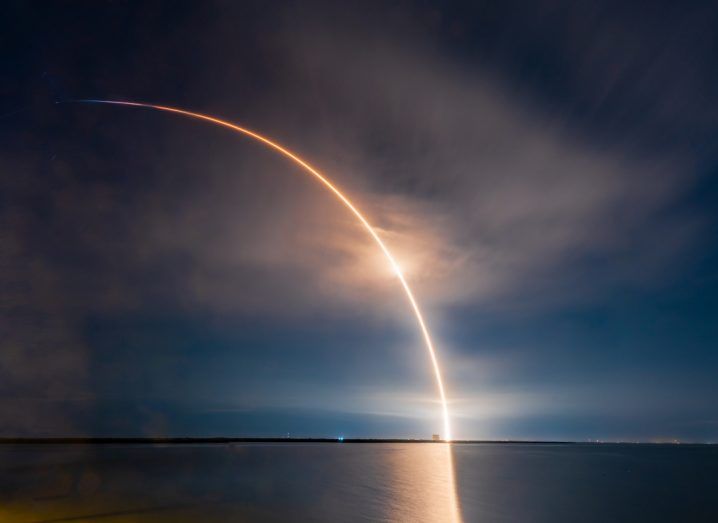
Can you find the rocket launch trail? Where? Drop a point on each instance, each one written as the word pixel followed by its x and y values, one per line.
pixel 344 200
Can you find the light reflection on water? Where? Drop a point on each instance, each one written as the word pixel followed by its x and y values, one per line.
pixel 423 484
pixel 244 482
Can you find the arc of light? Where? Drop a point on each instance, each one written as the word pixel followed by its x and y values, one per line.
pixel 347 203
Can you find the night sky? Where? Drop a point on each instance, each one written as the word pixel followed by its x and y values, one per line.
pixel 546 173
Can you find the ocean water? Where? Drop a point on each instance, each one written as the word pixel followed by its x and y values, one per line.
pixel 358 482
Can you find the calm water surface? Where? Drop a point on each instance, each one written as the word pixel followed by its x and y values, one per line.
pixel 359 482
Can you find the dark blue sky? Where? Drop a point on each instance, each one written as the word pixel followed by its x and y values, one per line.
pixel 545 171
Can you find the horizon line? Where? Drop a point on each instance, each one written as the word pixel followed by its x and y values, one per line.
pixel 178 440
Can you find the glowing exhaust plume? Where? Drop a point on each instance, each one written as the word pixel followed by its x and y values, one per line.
pixel 320 177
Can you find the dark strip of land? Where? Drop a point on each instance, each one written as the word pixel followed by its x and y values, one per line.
pixel 209 440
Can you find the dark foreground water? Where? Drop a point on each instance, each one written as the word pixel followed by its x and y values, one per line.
pixel 359 482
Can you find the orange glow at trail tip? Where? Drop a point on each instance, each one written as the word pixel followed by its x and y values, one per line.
pixel 349 205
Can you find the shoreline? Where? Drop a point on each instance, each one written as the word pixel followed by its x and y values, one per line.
pixel 230 440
